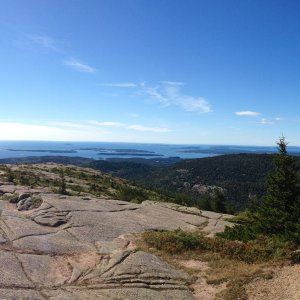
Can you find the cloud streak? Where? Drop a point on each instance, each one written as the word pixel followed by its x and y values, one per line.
pixel 79 66
pixel 265 121
pixel 136 127
pixel 44 41
pixel 121 85
pixel 109 124
pixel 49 43
pixel 247 113
pixel 170 94
pixel 148 129
pixel 153 92
pixel 173 82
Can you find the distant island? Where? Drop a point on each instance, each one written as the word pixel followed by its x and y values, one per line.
pixel 128 153
pixel 116 150
pixel 42 151
pixel 221 150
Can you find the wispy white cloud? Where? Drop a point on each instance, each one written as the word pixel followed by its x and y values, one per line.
pixel 79 66
pixel 86 126
pixel 66 124
pixel 43 41
pixel 121 84
pixel 265 121
pixel 173 82
pixel 109 124
pixel 153 92
pixel 149 129
pixel 170 94
pixel 279 119
pixel 50 43
pixel 248 113
pixel 136 127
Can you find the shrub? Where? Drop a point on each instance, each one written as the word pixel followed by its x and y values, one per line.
pixel 36 201
pixel 132 194
pixel 62 189
pixel 13 198
pixel 175 242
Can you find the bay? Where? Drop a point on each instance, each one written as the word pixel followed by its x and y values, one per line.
pixel 105 150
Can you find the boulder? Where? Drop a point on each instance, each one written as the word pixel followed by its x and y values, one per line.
pixel 24 204
pixel 24 196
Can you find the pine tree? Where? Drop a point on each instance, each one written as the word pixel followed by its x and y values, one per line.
pixel 280 211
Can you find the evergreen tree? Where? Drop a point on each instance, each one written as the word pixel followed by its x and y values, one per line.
pixel 279 213
pixel 204 202
pixel 280 210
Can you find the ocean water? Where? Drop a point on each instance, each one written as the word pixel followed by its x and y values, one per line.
pixel 103 150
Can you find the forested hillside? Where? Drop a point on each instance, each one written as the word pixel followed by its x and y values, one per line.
pixel 238 176
pixel 241 176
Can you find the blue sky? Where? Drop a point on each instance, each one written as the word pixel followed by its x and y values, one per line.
pixel 188 71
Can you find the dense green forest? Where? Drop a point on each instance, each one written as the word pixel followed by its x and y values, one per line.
pixel 239 177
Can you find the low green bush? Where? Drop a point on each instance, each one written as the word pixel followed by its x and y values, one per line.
pixel 175 242
pixel 132 194
pixel 36 201
pixel 13 198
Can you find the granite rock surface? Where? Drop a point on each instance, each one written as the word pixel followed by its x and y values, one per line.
pixel 73 247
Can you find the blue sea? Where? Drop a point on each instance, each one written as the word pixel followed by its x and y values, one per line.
pixel 104 150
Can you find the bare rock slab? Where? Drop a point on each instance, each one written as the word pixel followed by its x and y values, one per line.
pixel 20 294
pixel 71 248
pixel 12 273
pixel 118 294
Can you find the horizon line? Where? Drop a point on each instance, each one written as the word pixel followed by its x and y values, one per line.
pixel 148 143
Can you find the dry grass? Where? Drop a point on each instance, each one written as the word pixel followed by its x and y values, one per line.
pixel 237 275
pixel 234 273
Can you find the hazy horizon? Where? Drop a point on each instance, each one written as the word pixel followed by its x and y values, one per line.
pixel 117 150
pixel 150 143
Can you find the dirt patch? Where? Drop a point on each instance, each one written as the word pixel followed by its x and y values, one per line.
pixel 195 265
pixel 285 284
pixel 201 289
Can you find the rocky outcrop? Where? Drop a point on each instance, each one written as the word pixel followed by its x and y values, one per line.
pixel 73 247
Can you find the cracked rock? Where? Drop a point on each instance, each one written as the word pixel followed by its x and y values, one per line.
pixel 72 249
pixel 50 218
